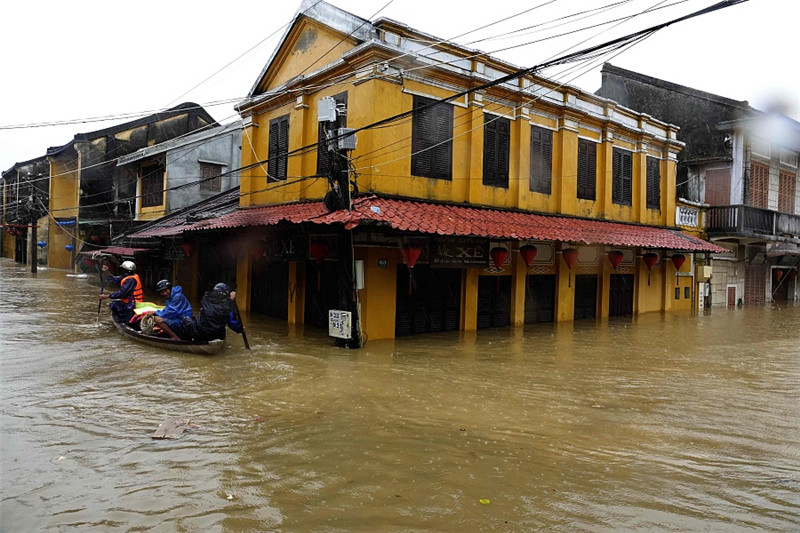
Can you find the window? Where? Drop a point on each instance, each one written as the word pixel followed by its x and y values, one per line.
pixel 323 156
pixel 152 175
pixel 788 157
pixel 541 159
pixel 432 139
pixel 210 179
pixel 622 177
pixel 278 147
pixel 496 137
pixel 587 169
pixel 758 185
pixel 653 183
pixel 786 186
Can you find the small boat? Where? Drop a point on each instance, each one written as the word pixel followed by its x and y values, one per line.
pixel 198 347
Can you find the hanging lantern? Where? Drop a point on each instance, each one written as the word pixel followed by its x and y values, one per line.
pixel 319 250
pixel 411 253
pixel 528 253
pixel 678 260
pixel 649 259
pixel 41 244
pixel 69 247
pixel 793 274
pixel 778 274
pixel 570 255
pixel 258 249
pixel 615 257
pixel 188 248
pixel 499 256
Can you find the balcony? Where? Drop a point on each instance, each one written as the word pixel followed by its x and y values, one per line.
pixel 752 223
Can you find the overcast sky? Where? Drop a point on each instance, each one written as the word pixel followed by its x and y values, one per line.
pixel 64 61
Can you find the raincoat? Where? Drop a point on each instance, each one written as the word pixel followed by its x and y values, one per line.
pixel 175 308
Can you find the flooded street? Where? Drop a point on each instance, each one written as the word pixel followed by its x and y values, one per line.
pixel 666 423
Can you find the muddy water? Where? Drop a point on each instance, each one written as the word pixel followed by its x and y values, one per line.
pixel 665 423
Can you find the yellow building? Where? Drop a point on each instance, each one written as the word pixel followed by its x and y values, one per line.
pixel 471 198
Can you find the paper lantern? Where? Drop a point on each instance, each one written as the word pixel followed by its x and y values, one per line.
pixel 778 274
pixel 69 247
pixel 528 253
pixel 499 256
pixel 649 259
pixel 41 244
pixel 188 248
pixel 258 249
pixel 678 260
pixel 570 255
pixel 319 251
pixel 411 253
pixel 615 257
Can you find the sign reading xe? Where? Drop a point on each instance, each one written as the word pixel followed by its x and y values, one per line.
pixel 462 251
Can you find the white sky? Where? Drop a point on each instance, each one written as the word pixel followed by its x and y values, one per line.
pixel 90 58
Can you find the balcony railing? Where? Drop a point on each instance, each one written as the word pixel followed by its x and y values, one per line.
pixel 687 216
pixel 743 220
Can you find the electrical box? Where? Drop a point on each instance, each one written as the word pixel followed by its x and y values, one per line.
pixel 326 112
pixel 702 272
pixel 347 139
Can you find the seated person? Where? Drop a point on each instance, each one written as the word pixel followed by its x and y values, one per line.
pixel 130 291
pixel 175 309
pixel 216 312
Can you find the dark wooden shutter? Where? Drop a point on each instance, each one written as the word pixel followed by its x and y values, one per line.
pixel 587 169
pixel 653 183
pixel 431 139
pixel 622 175
pixel 541 160
pixel 278 147
pixel 496 145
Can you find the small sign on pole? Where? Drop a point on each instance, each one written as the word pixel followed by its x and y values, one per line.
pixel 339 324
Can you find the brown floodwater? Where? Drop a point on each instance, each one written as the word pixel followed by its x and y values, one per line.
pixel 660 423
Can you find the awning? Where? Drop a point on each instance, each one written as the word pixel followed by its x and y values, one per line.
pixel 441 219
pixel 775 249
pixel 115 250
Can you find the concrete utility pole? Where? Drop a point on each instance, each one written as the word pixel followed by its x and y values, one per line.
pixel 340 197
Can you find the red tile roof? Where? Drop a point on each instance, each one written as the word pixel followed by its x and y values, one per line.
pixel 407 215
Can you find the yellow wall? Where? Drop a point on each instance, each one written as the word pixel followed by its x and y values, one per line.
pixel 64 199
pixel 379 296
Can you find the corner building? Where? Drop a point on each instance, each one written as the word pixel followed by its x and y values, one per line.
pixel 510 203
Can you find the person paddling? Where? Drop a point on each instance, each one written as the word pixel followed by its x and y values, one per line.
pixel 130 291
pixel 216 312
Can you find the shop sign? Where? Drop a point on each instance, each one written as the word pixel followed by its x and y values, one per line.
pixel 460 252
pixel 339 324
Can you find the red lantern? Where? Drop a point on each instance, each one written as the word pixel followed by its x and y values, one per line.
pixel 678 260
pixel 778 274
pixel 499 256
pixel 188 248
pixel 650 259
pixel 615 257
pixel 528 253
pixel 411 253
pixel 258 249
pixel 570 255
pixel 319 250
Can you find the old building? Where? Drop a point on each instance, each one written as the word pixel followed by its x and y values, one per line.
pixel 740 168
pixel 25 196
pixel 411 188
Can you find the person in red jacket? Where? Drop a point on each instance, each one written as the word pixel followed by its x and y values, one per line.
pixel 130 291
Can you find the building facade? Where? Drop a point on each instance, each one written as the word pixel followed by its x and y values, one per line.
pixel 740 167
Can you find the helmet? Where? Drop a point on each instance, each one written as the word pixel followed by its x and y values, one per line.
pixel 163 285
pixel 128 265
pixel 221 287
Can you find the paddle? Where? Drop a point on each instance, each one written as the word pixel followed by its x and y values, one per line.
pixel 239 320
pixel 102 286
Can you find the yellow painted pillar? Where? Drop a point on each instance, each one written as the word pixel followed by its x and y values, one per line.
pixel 669 174
pixel 518 288
pixel 379 296
pixel 605 286
pixel 565 291
pixel 522 163
pixel 605 158
pixel 469 300
pixel 639 184
pixel 565 166
pixel 297 292
pixel 250 154
pixel 475 181
pixel 244 267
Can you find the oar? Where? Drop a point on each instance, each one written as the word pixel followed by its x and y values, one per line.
pixel 102 286
pixel 239 320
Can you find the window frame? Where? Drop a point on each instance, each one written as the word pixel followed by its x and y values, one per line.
pixel 209 181
pixel 151 176
pixel 541 163
pixel 622 177
pixel 586 186
pixel 653 183
pixel 431 139
pixel 278 151
pixel 496 150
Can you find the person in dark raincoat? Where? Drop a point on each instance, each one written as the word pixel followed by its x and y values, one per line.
pixel 216 314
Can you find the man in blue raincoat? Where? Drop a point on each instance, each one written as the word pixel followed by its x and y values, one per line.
pixel 175 309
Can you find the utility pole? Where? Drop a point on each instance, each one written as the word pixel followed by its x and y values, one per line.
pixel 339 141
pixel 34 254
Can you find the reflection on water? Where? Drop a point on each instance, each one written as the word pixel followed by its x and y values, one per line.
pixel 665 423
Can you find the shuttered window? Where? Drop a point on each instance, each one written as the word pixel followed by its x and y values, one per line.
pixel 758 186
pixel 653 183
pixel 496 139
pixel 622 177
pixel 541 160
pixel 587 169
pixel 432 139
pixel 278 147
pixel 210 179
pixel 786 192
pixel 323 156
pixel 152 184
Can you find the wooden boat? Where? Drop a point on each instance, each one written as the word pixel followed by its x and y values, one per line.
pixel 198 347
